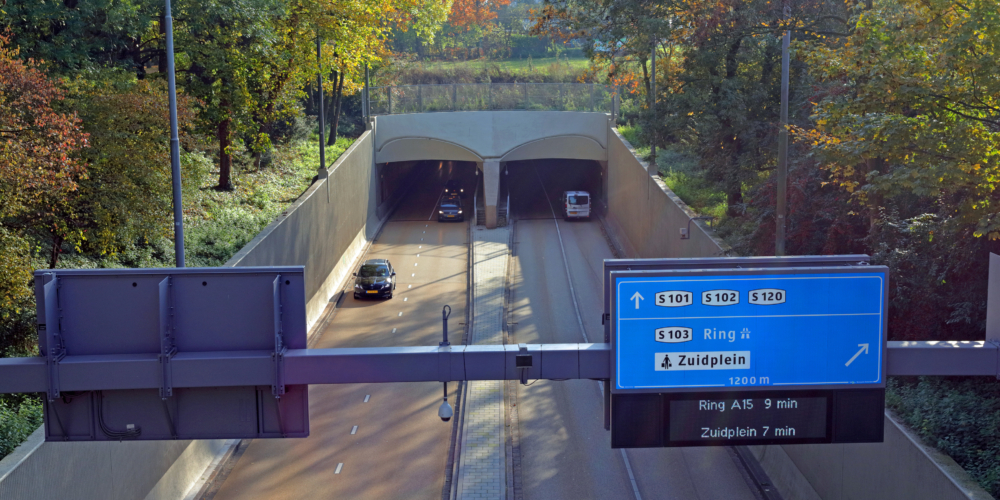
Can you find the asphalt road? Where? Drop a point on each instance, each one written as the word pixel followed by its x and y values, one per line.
pixel 566 453
pixel 399 448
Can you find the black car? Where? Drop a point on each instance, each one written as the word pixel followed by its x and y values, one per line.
pixel 450 208
pixel 376 278
pixel 453 187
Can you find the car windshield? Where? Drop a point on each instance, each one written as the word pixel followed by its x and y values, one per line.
pixel 373 271
pixel 577 199
pixel 449 204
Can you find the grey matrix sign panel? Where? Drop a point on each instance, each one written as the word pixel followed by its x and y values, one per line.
pixel 168 314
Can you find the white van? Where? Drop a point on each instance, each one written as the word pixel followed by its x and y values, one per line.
pixel 576 204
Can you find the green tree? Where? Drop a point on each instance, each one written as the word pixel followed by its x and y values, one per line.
pixel 220 47
pixel 71 35
pixel 39 168
pixel 126 198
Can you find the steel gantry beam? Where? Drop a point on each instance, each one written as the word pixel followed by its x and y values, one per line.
pixel 411 364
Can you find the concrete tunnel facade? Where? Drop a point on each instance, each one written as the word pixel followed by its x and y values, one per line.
pixel 490 139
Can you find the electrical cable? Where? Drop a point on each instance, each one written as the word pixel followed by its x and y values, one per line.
pixel 120 435
pixel 170 420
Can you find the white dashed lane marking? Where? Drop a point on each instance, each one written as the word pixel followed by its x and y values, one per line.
pixel 339 466
pixel 354 430
pixel 393 331
pixel 369 396
pixel 404 299
pixel 400 313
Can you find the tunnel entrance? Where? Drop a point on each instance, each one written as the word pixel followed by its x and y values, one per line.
pixel 535 186
pixel 412 190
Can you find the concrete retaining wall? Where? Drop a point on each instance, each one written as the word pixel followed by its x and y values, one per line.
pixel 644 219
pixel 326 229
pixel 901 468
pixel 644 216
pixel 97 470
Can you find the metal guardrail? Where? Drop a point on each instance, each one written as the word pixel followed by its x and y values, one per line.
pixel 391 100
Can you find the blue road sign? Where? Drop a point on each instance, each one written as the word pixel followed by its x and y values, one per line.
pixel 749 329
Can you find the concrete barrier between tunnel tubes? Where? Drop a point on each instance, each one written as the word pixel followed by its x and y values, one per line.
pixel 643 218
pixel 326 229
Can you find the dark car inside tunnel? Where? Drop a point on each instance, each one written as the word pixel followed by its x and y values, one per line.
pixel 419 186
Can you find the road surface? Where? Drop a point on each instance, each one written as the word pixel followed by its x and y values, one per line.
pixel 400 446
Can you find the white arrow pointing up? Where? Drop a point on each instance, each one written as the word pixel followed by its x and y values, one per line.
pixel 864 349
pixel 637 298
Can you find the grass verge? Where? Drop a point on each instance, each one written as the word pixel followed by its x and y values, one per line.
pixel 679 171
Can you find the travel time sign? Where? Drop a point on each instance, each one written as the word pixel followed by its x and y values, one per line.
pixel 698 330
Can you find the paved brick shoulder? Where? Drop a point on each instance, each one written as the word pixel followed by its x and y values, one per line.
pixel 481 469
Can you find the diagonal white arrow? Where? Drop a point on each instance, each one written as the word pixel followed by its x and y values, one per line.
pixel 637 298
pixel 864 349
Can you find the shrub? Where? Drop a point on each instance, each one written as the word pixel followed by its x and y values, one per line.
pixel 19 417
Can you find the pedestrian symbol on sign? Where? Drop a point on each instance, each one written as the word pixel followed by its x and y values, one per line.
pixel 666 362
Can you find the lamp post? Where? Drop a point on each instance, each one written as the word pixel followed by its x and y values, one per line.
pixel 322 112
pixel 652 101
pixel 175 154
pixel 781 202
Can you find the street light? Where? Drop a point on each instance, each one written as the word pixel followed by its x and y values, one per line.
pixel 781 202
pixel 175 152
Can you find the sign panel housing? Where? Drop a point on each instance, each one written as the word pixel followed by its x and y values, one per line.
pixel 748 329
pixel 746 351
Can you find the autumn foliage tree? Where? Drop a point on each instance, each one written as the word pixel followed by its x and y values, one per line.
pixel 466 14
pixel 39 146
pixel 39 168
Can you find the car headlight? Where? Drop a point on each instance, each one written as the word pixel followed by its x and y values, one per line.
pixel 386 285
pixel 462 190
pixel 440 211
pixel 357 285
pixel 459 211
